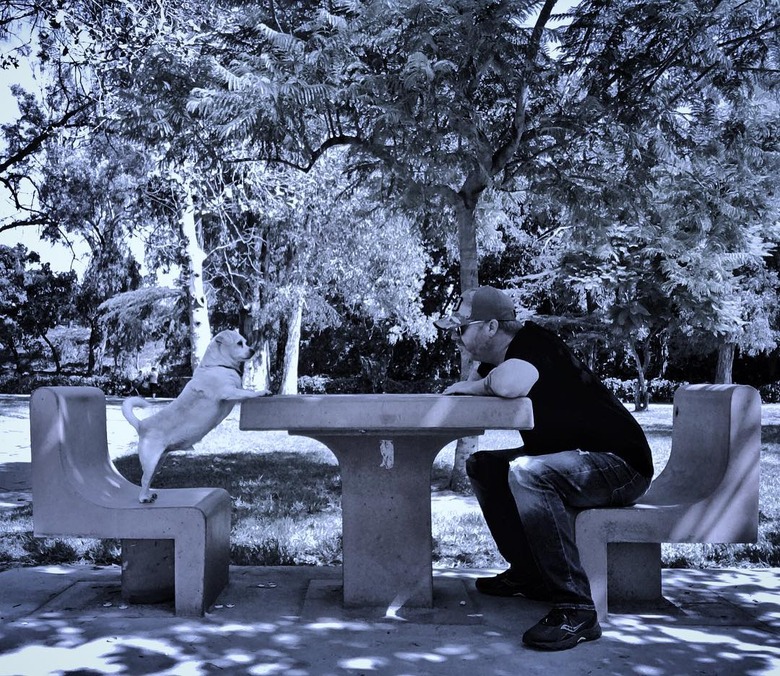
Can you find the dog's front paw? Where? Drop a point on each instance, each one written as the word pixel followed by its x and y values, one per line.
pixel 147 499
pixel 263 393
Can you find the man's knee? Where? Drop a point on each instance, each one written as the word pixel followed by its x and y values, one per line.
pixel 527 471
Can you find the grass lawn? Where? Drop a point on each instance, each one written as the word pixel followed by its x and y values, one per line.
pixel 286 495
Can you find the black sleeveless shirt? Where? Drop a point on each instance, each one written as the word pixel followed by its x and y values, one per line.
pixel 573 409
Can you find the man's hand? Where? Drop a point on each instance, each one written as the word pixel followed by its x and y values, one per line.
pixel 474 387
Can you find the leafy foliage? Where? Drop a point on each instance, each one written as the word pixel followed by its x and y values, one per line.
pixel 33 299
pixel 626 158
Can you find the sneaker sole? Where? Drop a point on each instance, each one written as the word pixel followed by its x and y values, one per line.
pixel 588 635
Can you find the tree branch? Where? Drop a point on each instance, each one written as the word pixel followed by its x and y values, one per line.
pixel 35 144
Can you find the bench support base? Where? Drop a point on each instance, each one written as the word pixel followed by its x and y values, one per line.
pixel 634 571
pixel 148 571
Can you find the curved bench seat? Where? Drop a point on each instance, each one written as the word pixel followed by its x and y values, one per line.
pixel 180 543
pixel 706 493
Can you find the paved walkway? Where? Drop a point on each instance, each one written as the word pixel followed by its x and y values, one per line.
pixel 289 620
pixel 71 620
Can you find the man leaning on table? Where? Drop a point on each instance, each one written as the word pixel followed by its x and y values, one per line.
pixel 585 450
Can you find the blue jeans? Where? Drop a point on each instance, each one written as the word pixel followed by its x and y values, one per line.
pixel 530 504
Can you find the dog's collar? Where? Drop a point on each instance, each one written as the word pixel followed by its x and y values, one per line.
pixel 222 366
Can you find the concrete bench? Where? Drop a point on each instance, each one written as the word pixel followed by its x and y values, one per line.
pixel 707 493
pixel 177 547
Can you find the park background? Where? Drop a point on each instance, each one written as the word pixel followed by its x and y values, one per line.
pixel 327 177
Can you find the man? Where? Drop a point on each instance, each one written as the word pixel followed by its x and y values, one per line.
pixel 585 450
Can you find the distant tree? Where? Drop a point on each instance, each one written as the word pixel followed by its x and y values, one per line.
pixel 89 190
pixel 33 300
pixel 133 318
pixel 690 92
pixel 13 296
pixel 109 273
pixel 719 205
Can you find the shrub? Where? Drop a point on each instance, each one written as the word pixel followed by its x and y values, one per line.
pixel 361 385
pixel 50 551
pixel 267 552
pixel 313 384
pixel 622 389
pixel 350 385
pixel 770 393
pixel 661 390
pixel 28 383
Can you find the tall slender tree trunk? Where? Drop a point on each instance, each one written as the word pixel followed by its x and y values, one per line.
pixel 94 351
pixel 257 371
pixel 200 328
pixel 469 279
pixel 726 352
pixel 489 164
pixel 641 394
pixel 292 345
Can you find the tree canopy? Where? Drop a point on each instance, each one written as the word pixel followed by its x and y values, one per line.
pixel 304 162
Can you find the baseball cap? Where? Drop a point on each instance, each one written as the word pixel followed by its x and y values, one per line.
pixel 483 304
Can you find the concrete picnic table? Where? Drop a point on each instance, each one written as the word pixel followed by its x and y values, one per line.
pixel 385 445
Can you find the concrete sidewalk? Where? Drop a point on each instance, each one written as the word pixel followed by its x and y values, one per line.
pixel 289 620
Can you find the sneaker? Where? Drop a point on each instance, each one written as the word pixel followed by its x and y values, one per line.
pixel 505 584
pixel 563 628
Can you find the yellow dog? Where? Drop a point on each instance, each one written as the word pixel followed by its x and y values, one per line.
pixel 204 403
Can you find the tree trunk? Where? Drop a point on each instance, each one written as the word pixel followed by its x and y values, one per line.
pixel 292 346
pixel 726 352
pixel 55 354
pixel 641 395
pixel 467 245
pixel 92 346
pixel 257 371
pixel 200 328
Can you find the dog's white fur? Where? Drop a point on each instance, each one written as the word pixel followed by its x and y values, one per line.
pixel 205 402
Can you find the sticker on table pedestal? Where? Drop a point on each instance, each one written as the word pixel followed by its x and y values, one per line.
pixel 388 453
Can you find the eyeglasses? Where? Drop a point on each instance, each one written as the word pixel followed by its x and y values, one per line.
pixel 458 330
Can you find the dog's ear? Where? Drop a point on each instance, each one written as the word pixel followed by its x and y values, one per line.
pixel 222 337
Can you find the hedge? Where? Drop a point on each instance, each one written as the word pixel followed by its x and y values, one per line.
pixel 661 390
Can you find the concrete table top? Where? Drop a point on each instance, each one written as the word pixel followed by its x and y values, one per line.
pixel 358 413
pixel 385 445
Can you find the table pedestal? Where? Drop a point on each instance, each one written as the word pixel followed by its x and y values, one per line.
pixel 386 513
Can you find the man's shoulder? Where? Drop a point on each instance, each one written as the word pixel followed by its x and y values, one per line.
pixel 532 332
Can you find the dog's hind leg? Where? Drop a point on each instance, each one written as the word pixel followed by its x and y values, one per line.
pixel 150 456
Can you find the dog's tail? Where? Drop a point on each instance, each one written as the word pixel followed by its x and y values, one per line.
pixel 127 409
